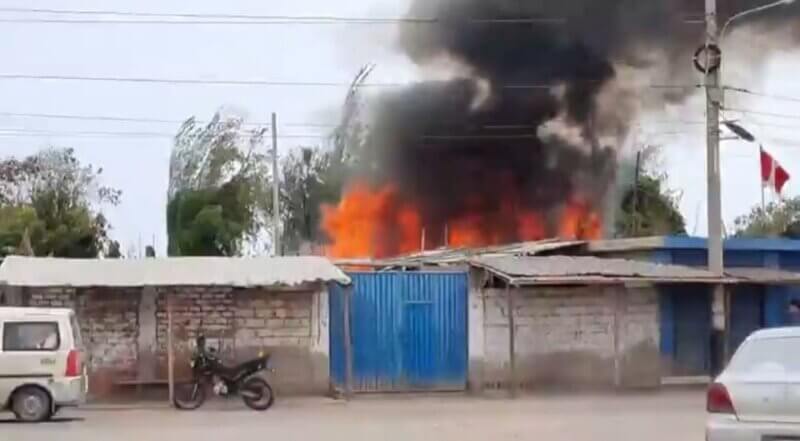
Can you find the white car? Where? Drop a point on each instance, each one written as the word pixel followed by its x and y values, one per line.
pixel 757 397
pixel 41 362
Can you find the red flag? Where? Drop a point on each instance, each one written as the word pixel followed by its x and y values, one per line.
pixel 772 172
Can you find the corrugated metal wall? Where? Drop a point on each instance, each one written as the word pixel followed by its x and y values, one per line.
pixel 408 331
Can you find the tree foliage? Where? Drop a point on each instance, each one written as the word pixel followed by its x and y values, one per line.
pixel 50 203
pixel 218 196
pixel 311 177
pixel 649 210
pixel 775 219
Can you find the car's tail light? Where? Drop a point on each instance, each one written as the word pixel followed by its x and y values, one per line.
pixel 718 400
pixel 73 364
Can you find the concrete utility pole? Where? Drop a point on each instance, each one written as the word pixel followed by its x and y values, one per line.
pixel 714 100
pixel 713 104
pixel 276 204
pixel 719 305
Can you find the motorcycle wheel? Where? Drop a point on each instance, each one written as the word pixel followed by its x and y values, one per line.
pixel 189 396
pixel 257 394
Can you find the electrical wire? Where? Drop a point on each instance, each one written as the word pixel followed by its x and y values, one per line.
pixel 758 112
pixel 15 76
pixel 248 19
pixel 22 132
pixel 763 95
pixel 151 120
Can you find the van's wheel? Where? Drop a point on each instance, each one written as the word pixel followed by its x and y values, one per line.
pixel 31 405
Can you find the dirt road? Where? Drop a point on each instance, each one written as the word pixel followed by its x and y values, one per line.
pixel 665 416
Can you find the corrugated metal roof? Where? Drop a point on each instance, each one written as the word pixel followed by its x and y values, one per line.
pixel 178 271
pixel 763 275
pixel 447 256
pixel 586 269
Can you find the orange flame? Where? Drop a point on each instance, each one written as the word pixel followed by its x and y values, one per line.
pixel 378 222
pixel 369 223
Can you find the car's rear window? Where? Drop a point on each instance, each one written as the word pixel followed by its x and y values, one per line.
pixel 31 336
pixel 771 355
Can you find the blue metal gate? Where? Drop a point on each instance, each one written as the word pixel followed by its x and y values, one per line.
pixel 408 332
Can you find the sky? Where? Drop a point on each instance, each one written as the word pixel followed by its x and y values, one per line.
pixel 314 53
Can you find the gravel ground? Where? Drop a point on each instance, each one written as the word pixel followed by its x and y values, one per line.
pixel 654 417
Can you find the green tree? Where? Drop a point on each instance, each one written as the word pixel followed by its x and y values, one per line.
pixel 311 177
pixel 56 201
pixel 649 208
pixel 218 197
pixel 775 219
pixel 19 224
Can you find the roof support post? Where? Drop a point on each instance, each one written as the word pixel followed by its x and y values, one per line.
pixel 619 311
pixel 170 350
pixel 512 356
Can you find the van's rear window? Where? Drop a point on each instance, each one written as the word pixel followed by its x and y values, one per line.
pixel 31 336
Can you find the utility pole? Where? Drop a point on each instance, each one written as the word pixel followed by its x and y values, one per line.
pixel 276 204
pixel 635 202
pixel 713 103
pixel 714 95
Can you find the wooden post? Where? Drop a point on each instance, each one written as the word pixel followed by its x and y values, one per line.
pixel 170 350
pixel 512 356
pixel 348 349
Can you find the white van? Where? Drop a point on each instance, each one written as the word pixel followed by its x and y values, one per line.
pixel 41 362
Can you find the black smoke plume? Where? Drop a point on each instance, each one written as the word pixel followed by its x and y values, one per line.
pixel 542 97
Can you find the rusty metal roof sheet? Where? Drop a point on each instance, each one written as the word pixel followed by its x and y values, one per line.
pixel 448 256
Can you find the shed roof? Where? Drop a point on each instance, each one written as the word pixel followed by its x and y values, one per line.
pixel 448 256
pixel 531 270
pixel 763 275
pixel 177 271
pixel 688 242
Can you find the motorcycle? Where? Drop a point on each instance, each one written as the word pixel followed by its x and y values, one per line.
pixel 209 371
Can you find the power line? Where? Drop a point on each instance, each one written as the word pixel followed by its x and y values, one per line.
pixel 248 19
pixel 763 95
pixel 25 132
pixel 119 79
pixel 188 81
pixel 758 112
pixel 148 120
pixel 21 132
pixel 109 118
pixel 93 118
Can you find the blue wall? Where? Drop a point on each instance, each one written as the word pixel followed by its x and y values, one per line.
pixel 754 306
pixel 759 253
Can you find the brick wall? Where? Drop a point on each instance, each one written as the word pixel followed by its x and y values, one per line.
pixel 240 322
pixel 109 327
pixel 567 336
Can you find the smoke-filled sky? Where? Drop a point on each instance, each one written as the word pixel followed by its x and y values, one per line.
pixel 764 63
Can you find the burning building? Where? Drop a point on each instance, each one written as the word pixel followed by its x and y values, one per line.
pixel 522 141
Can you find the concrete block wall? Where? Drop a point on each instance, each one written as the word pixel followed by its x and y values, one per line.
pixel 125 330
pixel 109 327
pixel 240 323
pixel 572 336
